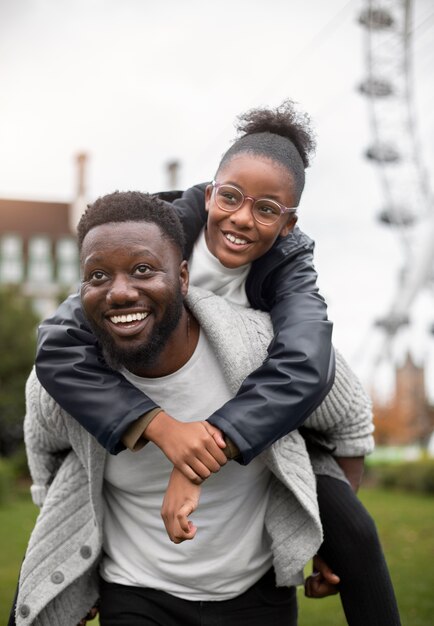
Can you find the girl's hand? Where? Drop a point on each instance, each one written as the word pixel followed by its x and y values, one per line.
pixel 194 448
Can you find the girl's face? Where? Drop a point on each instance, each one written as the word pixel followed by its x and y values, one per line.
pixel 236 238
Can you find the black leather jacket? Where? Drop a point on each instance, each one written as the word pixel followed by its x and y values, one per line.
pixel 272 401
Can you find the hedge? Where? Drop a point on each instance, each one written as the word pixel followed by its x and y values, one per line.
pixel 415 476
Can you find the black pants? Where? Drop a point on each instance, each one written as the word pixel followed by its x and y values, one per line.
pixel 352 549
pixel 263 604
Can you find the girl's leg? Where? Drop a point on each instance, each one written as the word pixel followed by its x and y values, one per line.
pixel 352 549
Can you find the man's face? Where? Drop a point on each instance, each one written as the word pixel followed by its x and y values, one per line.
pixel 133 286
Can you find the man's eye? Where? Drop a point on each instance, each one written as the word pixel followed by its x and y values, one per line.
pixel 98 275
pixel 142 269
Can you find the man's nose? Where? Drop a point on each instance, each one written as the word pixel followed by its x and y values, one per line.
pixel 122 290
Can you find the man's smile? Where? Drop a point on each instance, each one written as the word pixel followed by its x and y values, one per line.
pixel 130 317
pixel 127 324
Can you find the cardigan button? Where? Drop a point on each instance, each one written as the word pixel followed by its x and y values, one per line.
pixel 57 578
pixel 24 610
pixel 85 552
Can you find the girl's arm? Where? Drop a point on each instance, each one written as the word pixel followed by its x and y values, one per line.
pixel 274 400
pixel 72 370
pixel 299 371
pixel 70 366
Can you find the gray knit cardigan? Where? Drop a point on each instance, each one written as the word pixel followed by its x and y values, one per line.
pixel 58 581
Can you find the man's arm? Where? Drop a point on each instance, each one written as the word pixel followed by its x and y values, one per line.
pixel 353 468
pixel 322 582
pixel 180 501
pixel 45 437
pixel 345 418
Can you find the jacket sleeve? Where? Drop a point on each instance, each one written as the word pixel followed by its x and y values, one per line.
pixel 70 367
pixel 190 207
pixel 298 371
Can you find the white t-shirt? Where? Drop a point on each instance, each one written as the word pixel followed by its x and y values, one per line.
pixel 231 550
pixel 207 272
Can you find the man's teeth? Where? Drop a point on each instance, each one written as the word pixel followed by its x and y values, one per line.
pixel 234 239
pixel 131 317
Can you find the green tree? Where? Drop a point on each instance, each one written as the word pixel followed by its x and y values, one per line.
pixel 17 353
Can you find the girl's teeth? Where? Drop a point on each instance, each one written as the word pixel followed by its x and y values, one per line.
pixel 234 239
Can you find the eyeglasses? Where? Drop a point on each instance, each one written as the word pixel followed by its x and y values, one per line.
pixel 229 198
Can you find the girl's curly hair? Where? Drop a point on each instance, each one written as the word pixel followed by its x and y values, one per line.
pixel 283 135
pixel 285 120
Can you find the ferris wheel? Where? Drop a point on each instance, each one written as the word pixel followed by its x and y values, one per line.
pixel 395 151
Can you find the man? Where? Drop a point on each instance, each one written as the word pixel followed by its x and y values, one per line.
pixel 257 524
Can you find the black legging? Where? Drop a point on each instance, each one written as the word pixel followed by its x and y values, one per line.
pixel 352 549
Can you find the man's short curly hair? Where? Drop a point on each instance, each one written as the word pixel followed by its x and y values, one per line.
pixel 132 206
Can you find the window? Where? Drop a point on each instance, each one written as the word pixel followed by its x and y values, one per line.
pixel 67 261
pixel 11 259
pixel 40 264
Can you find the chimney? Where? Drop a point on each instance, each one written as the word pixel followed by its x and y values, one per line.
pixel 172 168
pixel 79 204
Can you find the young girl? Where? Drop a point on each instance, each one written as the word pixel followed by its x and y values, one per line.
pixel 252 253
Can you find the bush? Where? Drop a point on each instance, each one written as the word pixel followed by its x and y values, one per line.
pixel 17 339
pixel 14 476
pixel 415 476
pixel 18 463
pixel 6 481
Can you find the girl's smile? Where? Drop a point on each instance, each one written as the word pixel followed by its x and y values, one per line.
pixel 236 238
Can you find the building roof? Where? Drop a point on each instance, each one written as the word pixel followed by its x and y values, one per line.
pixel 29 218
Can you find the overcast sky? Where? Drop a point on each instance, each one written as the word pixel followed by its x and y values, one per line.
pixel 137 83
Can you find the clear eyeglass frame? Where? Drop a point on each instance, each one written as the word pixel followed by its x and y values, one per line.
pixel 264 210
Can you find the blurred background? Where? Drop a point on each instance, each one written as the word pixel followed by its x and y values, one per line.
pixel 98 95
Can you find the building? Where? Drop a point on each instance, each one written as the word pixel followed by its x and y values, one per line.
pixel 407 418
pixel 37 245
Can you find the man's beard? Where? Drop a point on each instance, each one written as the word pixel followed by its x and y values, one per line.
pixel 137 358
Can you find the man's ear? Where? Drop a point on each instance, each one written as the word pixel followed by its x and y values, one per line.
pixel 184 278
pixel 208 193
pixel 289 226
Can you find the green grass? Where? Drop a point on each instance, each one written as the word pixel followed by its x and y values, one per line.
pixel 405 523
pixel 17 518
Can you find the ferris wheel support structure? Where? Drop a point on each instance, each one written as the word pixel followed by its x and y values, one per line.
pixel 395 151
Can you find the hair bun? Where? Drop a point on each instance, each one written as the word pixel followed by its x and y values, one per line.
pixel 284 120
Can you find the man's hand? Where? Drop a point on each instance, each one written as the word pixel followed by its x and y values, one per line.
pixel 195 448
pixel 180 500
pixel 322 582
pixel 89 617
pixel 353 469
